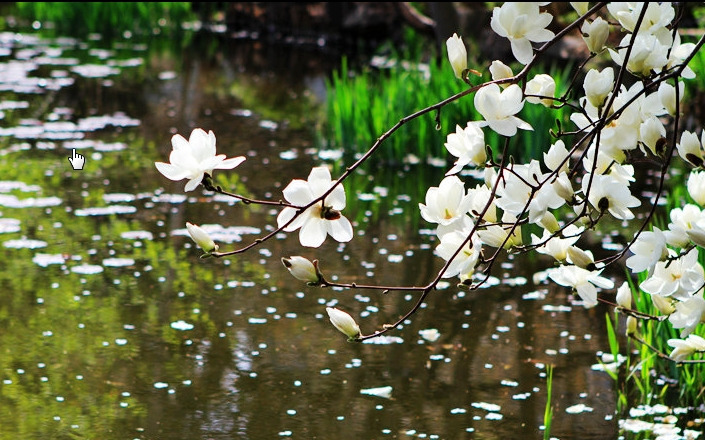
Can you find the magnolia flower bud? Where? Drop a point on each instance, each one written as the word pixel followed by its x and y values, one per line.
pixel 201 237
pixel 598 85
pixel 457 54
pixel 580 7
pixel 302 269
pixel 664 305
pixel 631 325
pixel 344 322
pixel 595 34
pixel 624 296
pixel 580 257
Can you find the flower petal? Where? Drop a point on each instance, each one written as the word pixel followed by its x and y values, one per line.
pixel 171 172
pixel 313 232
pixel 341 230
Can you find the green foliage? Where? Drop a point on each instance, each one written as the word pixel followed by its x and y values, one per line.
pixel 108 18
pixel 548 410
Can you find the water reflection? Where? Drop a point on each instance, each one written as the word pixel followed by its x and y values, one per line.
pixel 112 327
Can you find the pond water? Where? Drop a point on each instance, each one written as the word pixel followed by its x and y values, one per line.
pixel 112 327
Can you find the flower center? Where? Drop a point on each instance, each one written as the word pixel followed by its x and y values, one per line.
pixel 329 213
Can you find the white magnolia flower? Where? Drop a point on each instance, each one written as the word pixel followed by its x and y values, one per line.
pixel 195 158
pixel 498 235
pixel 580 257
pixel 446 203
pixel 595 34
pixel 609 194
pixel 682 221
pixel 344 322
pixel 480 196
pixel 585 282
pixel 541 85
pixel 649 248
pixel 556 246
pixel 679 52
pixel 201 238
pixel 684 348
pixel 690 148
pixel 468 145
pixel 688 314
pixel 648 54
pixel 514 190
pixel 679 278
pixel 598 84
pixel 499 70
pixel 463 265
pixel 322 218
pixel 651 131
pixel 302 269
pixel 457 55
pixel 499 107
pixel 656 18
pixel 667 96
pixel 521 23
pixel 557 157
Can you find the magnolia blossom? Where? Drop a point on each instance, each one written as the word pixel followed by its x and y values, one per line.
pixel 584 281
pixel 541 85
pixel 580 257
pixel 684 348
pixel 521 23
pixel 649 248
pixel 557 157
pixel 322 218
pixel 656 18
pixel 468 145
pixel 682 221
pixel 648 54
pixel 499 70
pixel 302 269
pixel 499 107
pixel 463 264
pixel 556 246
pixel 498 235
pixel 609 194
pixel 344 322
pixel 595 34
pixel 201 238
pixel 580 7
pixel 679 278
pixel 696 187
pixel 651 132
pixel 457 55
pixel 690 148
pixel 667 96
pixel 446 203
pixel 679 52
pixel 480 196
pixel 598 84
pixel 195 158
pixel 688 314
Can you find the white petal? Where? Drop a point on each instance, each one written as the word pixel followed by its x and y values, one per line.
pixel 229 164
pixel 341 230
pixel 171 172
pixel 313 233
pixel 298 192
pixel 193 183
pixel 522 50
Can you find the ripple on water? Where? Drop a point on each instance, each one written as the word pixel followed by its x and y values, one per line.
pixel 137 235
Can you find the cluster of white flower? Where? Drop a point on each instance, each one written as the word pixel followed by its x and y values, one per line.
pixel 565 195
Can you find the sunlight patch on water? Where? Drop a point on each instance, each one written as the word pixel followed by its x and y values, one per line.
pixel 137 235
pixel 8 225
pixel 25 243
pixel 105 210
pixel 383 392
pixel 578 409
pixel 87 269
pixel 10 201
pixel 384 340
pixel 181 325
pixel 118 262
pixel 44 260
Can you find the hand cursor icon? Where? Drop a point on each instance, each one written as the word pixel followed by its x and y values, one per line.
pixel 77 160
